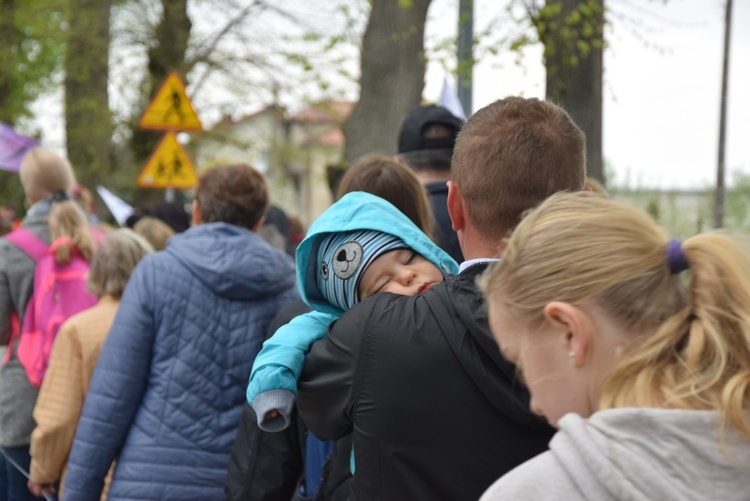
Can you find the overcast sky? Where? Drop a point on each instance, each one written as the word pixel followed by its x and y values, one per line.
pixel 661 109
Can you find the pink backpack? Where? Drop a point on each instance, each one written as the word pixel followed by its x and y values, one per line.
pixel 59 293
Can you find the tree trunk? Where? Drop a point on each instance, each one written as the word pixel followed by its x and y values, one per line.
pixel 572 33
pixel 7 42
pixel 393 67
pixel 88 121
pixel 167 54
pixel 9 184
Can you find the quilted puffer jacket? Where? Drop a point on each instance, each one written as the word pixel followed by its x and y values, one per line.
pixel 167 393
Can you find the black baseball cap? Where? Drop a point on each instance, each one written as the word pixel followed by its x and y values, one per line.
pixel 411 136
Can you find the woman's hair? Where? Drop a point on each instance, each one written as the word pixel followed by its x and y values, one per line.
pixel 44 172
pixel 156 231
pixel 115 260
pixel 70 229
pixel 396 183
pixel 691 331
pixel 234 194
pixel 85 199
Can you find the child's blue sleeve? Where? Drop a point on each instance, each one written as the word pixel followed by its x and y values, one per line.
pixel 273 380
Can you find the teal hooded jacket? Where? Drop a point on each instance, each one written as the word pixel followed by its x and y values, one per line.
pixel 273 381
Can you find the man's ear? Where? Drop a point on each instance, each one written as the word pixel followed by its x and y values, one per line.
pixel 196 213
pixel 575 329
pixel 258 224
pixel 455 206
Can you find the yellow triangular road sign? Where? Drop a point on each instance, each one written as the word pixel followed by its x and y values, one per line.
pixel 168 166
pixel 170 109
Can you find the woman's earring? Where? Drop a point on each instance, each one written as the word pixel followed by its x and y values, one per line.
pixel 571 354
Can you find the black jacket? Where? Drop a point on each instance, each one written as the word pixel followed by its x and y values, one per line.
pixel 270 466
pixel 436 411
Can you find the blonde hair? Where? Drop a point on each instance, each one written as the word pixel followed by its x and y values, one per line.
pixel 114 262
pixel 694 350
pixel 156 231
pixel 67 221
pixel 43 172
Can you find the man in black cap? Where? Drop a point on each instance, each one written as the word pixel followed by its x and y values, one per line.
pixel 425 144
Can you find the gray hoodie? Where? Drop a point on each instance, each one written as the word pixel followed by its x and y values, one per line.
pixel 634 454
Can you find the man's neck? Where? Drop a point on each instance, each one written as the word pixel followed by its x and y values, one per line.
pixel 474 246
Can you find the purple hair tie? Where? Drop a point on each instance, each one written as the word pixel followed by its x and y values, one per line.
pixel 675 258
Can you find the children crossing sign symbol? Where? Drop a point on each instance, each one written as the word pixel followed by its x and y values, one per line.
pixel 170 109
pixel 168 166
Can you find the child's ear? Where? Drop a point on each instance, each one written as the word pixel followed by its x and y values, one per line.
pixel 574 328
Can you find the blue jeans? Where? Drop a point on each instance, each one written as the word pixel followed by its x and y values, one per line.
pixel 12 480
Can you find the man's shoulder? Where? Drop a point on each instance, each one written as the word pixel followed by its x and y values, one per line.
pixel 393 313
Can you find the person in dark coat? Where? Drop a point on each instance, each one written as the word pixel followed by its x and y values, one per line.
pixel 272 466
pixel 436 412
pixel 167 393
pixel 425 144
pixel 173 214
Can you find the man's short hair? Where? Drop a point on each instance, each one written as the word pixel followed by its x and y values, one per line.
pixel 427 137
pixel 234 194
pixel 511 155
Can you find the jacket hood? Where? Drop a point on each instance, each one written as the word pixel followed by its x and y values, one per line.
pixel 232 262
pixel 360 211
pixel 653 454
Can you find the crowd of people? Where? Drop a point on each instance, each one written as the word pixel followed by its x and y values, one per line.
pixel 472 318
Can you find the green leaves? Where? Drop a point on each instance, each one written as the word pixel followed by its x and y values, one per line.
pixel 36 53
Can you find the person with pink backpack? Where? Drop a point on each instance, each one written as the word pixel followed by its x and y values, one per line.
pixel 42 272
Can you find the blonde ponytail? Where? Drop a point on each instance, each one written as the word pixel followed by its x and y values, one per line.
pixel 690 345
pixel 70 230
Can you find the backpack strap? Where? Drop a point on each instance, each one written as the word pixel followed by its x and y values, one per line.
pixel 31 244
pixel 35 248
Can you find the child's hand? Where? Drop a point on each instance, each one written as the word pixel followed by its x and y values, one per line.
pixel 271 414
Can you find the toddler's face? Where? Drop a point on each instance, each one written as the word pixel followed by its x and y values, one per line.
pixel 401 271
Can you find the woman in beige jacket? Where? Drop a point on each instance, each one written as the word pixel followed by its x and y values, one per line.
pixel 74 357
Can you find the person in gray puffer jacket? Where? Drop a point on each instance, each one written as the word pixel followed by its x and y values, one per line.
pixel 168 390
pixel 42 173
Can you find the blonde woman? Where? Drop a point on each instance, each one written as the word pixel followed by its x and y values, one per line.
pixel 636 347
pixel 74 357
